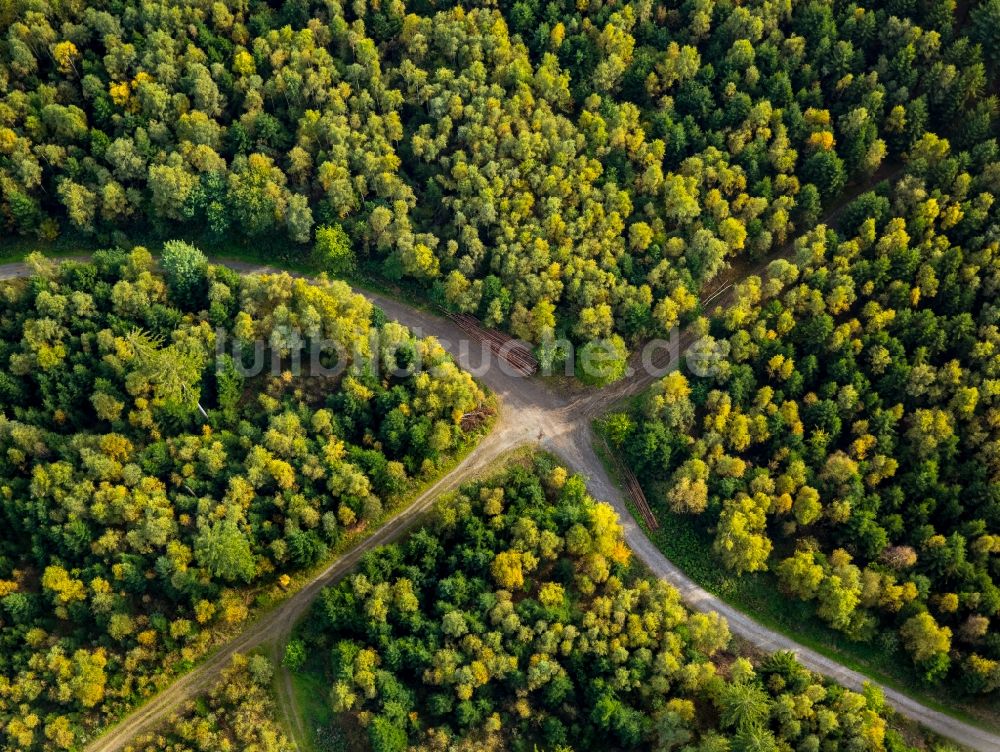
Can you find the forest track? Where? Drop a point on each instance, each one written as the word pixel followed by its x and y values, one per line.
pixel 286 700
pixel 531 412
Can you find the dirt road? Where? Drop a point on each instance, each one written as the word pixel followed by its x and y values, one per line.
pixel 531 412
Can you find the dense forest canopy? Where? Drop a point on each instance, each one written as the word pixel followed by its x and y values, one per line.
pixel 572 168
pixel 145 482
pixel 850 440
pixel 514 621
pixel 584 168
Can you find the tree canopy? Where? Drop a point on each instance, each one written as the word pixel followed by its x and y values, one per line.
pixel 147 479
pixel 515 620
pixel 848 442
pixel 569 168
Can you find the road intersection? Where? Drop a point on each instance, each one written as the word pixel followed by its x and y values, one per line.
pixel 529 408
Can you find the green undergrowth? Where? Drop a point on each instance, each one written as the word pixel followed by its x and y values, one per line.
pixel 321 727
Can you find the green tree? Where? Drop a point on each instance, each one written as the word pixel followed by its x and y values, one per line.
pixel 386 735
pixel 984 20
pixel 825 170
pixel 602 361
pixel 743 705
pixel 185 268
pixel 294 657
pixel 224 550
pixel 741 539
pixel 928 643
pixel 332 250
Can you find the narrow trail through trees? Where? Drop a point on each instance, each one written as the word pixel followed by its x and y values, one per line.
pixel 531 412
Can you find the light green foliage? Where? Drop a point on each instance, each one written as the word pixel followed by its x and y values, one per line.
pixel 294 656
pixel 225 551
pixel 332 250
pixel 602 361
pixel 184 267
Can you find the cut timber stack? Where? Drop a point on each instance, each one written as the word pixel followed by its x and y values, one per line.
pixel 515 352
pixel 633 489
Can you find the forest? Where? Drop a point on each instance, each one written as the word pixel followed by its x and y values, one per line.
pixel 849 441
pixel 238 714
pixel 596 171
pixel 151 495
pixel 579 170
pixel 516 620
